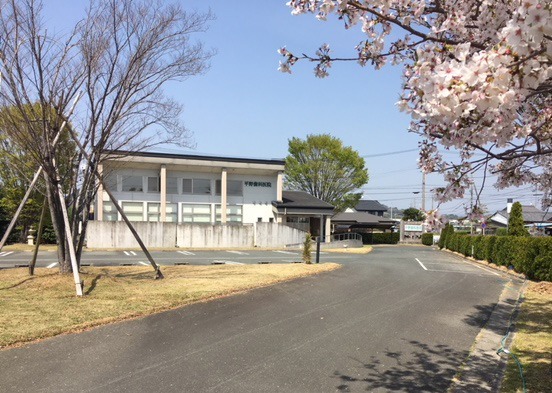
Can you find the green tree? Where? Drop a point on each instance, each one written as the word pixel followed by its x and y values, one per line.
pixel 323 167
pixel 413 214
pixel 18 166
pixel 515 221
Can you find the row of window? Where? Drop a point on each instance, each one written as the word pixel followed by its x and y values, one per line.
pixel 152 184
pixel 189 213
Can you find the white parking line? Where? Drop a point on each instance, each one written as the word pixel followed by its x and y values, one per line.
pixel 5 253
pixel 421 264
pixel 51 265
pixel 126 253
pixel 285 252
pixel 186 252
pixel 237 252
pixel 133 253
pixel 143 263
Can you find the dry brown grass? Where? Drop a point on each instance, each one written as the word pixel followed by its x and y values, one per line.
pixel 533 342
pixel 26 247
pixel 350 250
pixel 45 305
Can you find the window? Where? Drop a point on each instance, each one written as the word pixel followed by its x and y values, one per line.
pixel 133 184
pixel 110 182
pixel 171 213
pixel 271 219
pixel 154 210
pixel 134 210
pixel 153 184
pixel 186 186
pixel 172 185
pixel 233 187
pixel 196 213
pixel 109 211
pixel 233 213
pixel 300 220
pixel 202 187
pixel 196 186
pixel 259 219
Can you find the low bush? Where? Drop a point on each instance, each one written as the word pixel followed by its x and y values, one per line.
pixel 380 238
pixel 531 256
pixel 541 268
pixel 427 239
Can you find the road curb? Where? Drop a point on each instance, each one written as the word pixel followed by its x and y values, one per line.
pixel 483 370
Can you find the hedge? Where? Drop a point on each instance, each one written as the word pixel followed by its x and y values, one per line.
pixel 531 256
pixel 427 239
pixel 380 238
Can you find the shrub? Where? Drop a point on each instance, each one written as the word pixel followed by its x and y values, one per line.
pixel 489 248
pixel 427 239
pixel 445 233
pixel 541 268
pixel 380 238
pixel 307 248
pixel 502 232
pixel 504 251
pixel 479 247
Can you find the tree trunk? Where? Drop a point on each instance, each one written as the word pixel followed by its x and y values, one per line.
pixel 59 227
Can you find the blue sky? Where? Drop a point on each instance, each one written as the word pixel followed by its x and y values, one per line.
pixel 244 107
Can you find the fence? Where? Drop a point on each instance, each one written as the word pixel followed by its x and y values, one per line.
pixel 115 234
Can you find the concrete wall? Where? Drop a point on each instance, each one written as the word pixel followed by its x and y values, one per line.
pixel 115 234
pixel 277 235
pixel 214 236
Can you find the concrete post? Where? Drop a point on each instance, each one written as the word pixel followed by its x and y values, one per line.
pixel 163 193
pixel 279 186
pixel 98 215
pixel 328 229
pixel 223 197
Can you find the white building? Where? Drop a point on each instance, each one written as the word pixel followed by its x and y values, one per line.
pixel 185 188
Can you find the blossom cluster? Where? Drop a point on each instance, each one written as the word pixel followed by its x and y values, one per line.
pixel 477 79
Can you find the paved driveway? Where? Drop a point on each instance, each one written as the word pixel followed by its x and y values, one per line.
pixel 398 319
pixel 10 259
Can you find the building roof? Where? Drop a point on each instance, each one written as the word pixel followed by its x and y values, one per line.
pixel 361 219
pixel 369 205
pixel 531 214
pixel 199 157
pixel 356 218
pixel 301 199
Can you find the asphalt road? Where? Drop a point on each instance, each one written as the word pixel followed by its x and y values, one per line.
pixel 10 259
pixel 398 319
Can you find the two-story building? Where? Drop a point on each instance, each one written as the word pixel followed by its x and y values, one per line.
pixel 188 188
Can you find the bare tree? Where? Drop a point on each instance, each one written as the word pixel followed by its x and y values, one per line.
pixel 119 56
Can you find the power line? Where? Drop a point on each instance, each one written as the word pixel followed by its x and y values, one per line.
pixel 391 153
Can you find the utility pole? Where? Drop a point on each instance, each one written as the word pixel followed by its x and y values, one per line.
pixel 471 210
pixel 423 191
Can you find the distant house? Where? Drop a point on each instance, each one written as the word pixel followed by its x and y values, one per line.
pixel 303 211
pixel 532 217
pixel 372 207
pixel 366 216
